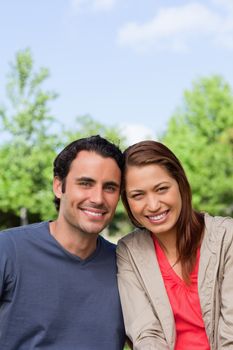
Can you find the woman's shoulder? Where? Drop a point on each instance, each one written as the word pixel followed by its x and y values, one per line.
pixel 138 244
pixel 135 237
pixel 219 227
pixel 218 221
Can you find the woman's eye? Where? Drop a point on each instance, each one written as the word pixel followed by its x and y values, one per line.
pixel 163 189
pixel 137 196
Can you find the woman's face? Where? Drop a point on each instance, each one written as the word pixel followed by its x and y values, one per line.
pixel 154 198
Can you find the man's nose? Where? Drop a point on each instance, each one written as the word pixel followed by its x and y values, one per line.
pixel 96 195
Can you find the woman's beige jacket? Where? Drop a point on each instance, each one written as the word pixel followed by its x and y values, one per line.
pixel 147 313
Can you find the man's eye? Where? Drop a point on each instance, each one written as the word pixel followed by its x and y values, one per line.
pixel 84 184
pixel 110 188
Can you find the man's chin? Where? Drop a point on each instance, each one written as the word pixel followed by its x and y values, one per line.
pixel 96 230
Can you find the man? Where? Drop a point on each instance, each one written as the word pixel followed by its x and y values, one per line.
pixel 58 288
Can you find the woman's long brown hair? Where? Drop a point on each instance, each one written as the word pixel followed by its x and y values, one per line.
pixel 190 225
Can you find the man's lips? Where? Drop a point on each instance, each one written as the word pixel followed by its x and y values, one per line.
pixel 94 212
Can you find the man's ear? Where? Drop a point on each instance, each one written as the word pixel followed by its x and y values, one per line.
pixel 57 187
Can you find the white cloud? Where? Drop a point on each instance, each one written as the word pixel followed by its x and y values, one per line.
pixel 174 27
pixel 136 132
pixel 227 4
pixel 92 5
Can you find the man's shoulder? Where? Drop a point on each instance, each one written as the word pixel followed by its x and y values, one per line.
pixel 22 231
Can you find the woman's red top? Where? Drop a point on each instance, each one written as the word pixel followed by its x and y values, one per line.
pixel 185 303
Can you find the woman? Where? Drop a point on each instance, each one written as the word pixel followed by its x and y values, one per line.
pixel 175 271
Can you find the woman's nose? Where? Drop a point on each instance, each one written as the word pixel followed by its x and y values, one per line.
pixel 153 203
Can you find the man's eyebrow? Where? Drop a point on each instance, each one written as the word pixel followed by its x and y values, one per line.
pixel 112 183
pixel 91 180
pixel 85 178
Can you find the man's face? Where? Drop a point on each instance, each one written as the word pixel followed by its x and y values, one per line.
pixel 91 194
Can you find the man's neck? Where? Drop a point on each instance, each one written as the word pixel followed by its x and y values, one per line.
pixel 72 240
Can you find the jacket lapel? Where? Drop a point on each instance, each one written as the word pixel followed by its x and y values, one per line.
pixel 208 271
pixel 145 257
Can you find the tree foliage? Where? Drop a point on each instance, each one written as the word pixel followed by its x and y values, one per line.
pixel 27 116
pixel 29 147
pixel 201 134
pixel 27 153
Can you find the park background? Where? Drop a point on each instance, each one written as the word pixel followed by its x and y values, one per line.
pixel 125 69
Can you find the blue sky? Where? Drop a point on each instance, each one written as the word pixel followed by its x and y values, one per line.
pixel 124 62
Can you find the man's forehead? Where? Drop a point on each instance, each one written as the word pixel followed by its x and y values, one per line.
pixel 91 157
pixel 92 165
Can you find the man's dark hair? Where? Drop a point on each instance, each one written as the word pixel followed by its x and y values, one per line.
pixel 97 144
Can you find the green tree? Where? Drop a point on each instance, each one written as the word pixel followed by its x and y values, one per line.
pixel 85 126
pixel 29 147
pixel 27 152
pixel 201 134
